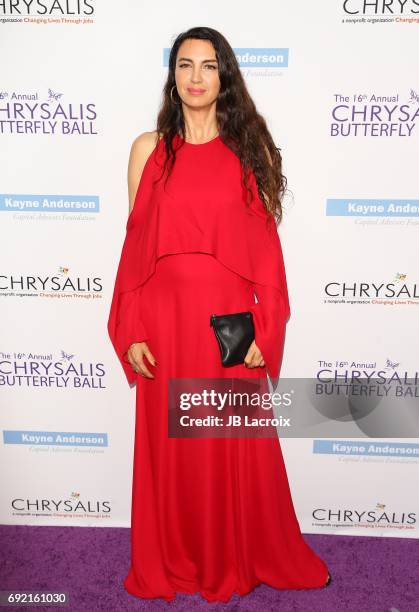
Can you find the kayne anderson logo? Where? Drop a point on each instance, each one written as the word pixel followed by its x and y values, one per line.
pixel 361 11
pixel 24 113
pixel 354 451
pixel 47 11
pixel 73 506
pixel 66 371
pixel 371 115
pixel 378 517
pixel 62 284
pixel 43 204
pixel 257 61
pixel 57 441
pixel 375 211
pixel 398 291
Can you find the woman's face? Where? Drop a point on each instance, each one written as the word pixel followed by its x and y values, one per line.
pixel 196 73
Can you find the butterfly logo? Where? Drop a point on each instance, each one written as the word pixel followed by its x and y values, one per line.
pixel 66 356
pixel 380 506
pixel 414 97
pixel 390 364
pixel 400 277
pixel 53 95
pixel 62 270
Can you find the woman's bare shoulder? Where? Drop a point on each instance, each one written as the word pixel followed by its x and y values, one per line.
pixel 141 149
pixel 143 145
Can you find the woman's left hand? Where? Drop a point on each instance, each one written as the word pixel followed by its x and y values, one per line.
pixel 254 357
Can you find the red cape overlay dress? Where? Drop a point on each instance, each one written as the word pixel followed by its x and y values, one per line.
pixel 209 515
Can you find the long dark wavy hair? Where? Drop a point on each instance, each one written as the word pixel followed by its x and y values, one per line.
pixel 240 126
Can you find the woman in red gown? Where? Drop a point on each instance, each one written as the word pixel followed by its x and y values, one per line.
pixel 209 515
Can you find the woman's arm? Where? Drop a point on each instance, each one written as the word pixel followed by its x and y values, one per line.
pixel 270 315
pixel 272 310
pixel 129 327
pixel 133 329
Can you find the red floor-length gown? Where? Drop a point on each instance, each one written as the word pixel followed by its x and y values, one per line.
pixel 213 515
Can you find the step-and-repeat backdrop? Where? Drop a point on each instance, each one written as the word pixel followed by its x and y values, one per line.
pixel 337 82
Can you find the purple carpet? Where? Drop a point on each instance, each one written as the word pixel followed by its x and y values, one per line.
pixel 370 574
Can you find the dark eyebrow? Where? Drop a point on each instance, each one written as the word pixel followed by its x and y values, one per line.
pixel 188 59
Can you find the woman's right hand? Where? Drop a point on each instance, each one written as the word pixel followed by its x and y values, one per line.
pixel 135 355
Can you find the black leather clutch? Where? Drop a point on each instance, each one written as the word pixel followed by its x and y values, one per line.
pixel 235 333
